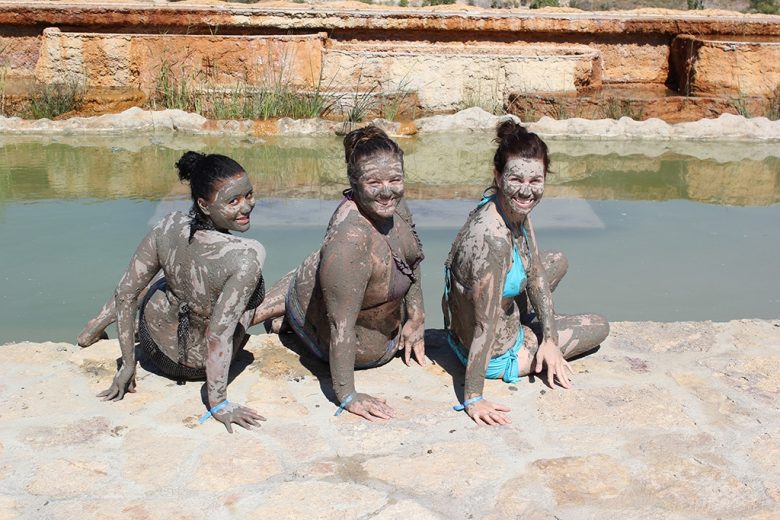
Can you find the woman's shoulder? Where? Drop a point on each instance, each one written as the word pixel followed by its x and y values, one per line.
pixel 347 219
pixel 485 224
pixel 173 222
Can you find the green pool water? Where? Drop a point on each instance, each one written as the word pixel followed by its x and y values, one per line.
pixel 653 231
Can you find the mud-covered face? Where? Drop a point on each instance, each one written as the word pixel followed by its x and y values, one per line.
pixel 231 205
pixel 521 186
pixel 380 186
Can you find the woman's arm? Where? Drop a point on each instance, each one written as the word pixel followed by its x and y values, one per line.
pixel 490 267
pixel 413 332
pixel 345 269
pixel 225 315
pixel 143 266
pixel 539 293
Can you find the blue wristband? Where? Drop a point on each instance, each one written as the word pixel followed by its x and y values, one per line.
pixel 345 403
pixel 211 412
pixel 468 402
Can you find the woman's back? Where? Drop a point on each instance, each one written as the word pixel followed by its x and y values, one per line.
pixel 196 273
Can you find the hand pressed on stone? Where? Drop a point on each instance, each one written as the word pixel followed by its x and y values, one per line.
pixel 370 408
pixel 488 413
pixel 124 381
pixel 550 356
pixel 412 342
pixel 240 415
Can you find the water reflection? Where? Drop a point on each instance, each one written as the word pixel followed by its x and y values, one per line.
pixel 438 167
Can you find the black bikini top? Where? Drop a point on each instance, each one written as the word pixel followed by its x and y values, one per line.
pixel 258 295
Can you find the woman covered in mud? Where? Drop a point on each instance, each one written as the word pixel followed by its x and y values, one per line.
pixel 192 320
pixel 356 301
pixel 493 264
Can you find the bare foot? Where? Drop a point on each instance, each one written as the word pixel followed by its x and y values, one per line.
pixel 90 335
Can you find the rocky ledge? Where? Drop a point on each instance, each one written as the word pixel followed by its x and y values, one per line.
pixel 727 127
pixel 666 420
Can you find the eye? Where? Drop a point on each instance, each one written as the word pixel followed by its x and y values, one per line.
pixel 250 195
pixel 233 201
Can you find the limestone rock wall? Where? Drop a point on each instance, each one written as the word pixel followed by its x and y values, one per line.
pixel 447 77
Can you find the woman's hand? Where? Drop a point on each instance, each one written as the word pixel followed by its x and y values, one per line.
pixel 240 415
pixel 124 381
pixel 370 408
pixel 550 356
pixel 412 341
pixel 487 413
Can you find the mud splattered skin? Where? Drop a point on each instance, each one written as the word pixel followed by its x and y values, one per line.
pixel 214 274
pixel 347 289
pixel 480 318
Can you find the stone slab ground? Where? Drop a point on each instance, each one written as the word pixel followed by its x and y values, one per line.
pixel 666 420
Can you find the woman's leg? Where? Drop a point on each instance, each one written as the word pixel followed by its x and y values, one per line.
pixel 273 305
pixel 577 334
pixel 555 266
pixel 580 333
pixel 95 329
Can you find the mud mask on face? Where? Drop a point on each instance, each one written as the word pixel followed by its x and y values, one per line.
pixel 380 185
pixel 232 204
pixel 521 185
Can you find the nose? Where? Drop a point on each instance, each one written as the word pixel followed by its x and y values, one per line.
pixel 247 206
pixel 385 192
pixel 525 190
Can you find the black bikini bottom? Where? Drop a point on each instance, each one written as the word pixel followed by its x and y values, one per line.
pixel 166 365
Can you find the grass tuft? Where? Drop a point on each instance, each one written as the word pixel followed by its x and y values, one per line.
pixel 276 98
pixel 617 108
pixel 773 105
pixel 54 99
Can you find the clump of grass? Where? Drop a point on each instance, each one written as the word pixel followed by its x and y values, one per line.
pixel 740 104
pixel 392 106
pixel 174 90
pixel 54 99
pixel 277 98
pixel 617 108
pixel 773 105
pixel 538 4
pixel 3 75
pixel 559 111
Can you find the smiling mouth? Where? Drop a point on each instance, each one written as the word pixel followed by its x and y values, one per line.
pixel 242 220
pixel 523 202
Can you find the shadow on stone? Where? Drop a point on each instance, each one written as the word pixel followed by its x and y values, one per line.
pixel 438 351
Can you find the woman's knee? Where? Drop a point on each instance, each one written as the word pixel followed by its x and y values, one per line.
pixel 599 327
pixel 555 266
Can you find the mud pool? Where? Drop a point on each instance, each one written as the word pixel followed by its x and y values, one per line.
pixel 653 232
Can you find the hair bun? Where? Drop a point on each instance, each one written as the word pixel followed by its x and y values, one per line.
pixel 359 136
pixel 510 129
pixel 187 164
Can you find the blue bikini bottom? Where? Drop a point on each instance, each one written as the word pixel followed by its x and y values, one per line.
pixel 505 364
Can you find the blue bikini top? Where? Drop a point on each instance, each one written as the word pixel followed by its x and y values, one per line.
pixel 515 278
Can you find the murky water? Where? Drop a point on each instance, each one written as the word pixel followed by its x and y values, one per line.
pixel 653 231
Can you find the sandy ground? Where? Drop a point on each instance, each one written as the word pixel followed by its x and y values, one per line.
pixel 665 421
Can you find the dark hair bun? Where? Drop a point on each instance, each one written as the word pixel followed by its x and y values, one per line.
pixel 509 129
pixel 359 136
pixel 187 164
pixel 514 139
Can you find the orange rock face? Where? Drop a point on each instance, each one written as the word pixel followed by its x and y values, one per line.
pixel 726 65
pixel 443 59
pixel 141 61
